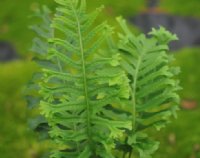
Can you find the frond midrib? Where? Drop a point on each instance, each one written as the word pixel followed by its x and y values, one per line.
pixel 84 75
pixel 134 92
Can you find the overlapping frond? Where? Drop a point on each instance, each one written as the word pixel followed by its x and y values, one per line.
pixel 154 89
pixel 78 85
pixel 40 47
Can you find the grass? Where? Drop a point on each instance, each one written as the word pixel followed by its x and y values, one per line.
pixel 181 138
pixel 16 140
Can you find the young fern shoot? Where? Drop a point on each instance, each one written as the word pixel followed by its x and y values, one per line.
pixel 153 87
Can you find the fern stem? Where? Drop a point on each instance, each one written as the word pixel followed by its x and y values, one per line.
pixel 130 154
pixel 133 111
pixel 134 95
pixel 84 76
pixel 124 155
pixel 133 92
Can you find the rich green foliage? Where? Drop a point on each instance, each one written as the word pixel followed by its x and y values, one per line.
pixel 14 137
pixel 79 83
pixel 88 106
pixel 14 113
pixel 153 88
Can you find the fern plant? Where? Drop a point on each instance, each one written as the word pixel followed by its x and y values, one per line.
pixel 96 101
pixel 153 87
pixel 79 83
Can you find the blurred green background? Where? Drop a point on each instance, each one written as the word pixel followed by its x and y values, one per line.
pixel 181 139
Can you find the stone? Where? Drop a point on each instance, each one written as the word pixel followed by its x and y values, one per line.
pixel 7 51
pixel 152 3
pixel 186 28
pixel 189 104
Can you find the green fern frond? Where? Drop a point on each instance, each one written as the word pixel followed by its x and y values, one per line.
pixel 79 84
pixel 154 89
